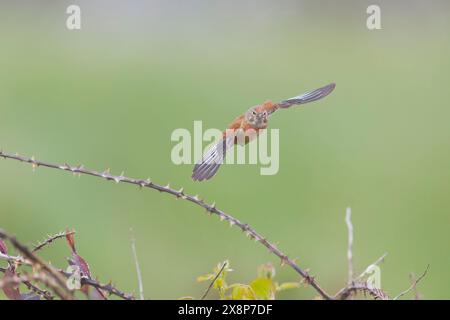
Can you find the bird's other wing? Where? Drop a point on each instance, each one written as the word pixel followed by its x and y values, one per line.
pixel 308 96
pixel 208 166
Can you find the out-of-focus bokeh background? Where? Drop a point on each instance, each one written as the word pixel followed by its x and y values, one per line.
pixel 110 95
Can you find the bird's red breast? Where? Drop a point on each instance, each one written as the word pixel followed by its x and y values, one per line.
pixel 250 131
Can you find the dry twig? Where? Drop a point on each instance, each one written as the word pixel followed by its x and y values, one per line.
pixel 136 262
pixel 213 281
pixel 348 221
pixel 413 285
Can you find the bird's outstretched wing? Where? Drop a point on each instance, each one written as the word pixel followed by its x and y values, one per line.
pixel 307 96
pixel 208 166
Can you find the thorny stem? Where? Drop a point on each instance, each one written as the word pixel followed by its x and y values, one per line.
pixel 346 292
pixel 50 239
pixel 211 208
pixel 105 287
pixel 56 287
pixel 58 282
pixel 43 293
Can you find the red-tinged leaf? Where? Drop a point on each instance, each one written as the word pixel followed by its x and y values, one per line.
pixel 11 290
pixel 3 248
pixel 78 261
pixel 71 241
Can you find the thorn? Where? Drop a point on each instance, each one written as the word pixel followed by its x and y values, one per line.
pixel 222 217
pixel 76 170
pixel 284 261
pixel 309 279
pixel 210 208
pixel 232 223
pixel 117 179
pixel 106 174
pixel 65 166
pixel 34 165
pixel 167 186
pixel 180 193
pixel 196 198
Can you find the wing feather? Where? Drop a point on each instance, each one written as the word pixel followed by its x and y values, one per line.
pixel 210 163
pixel 307 97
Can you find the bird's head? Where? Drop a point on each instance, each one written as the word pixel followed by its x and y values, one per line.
pixel 257 117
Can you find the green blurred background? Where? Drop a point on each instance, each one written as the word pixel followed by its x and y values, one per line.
pixel 111 94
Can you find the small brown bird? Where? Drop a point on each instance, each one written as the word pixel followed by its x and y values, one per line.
pixel 250 124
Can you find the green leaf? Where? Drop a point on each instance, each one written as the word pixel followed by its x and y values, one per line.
pixel 264 288
pixel 205 277
pixel 220 283
pixel 242 292
pixel 288 285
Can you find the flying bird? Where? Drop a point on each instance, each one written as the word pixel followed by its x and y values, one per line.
pixel 250 124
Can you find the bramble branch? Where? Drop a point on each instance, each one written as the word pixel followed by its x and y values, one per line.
pixel 50 239
pixel 53 278
pixel 56 280
pixel 210 208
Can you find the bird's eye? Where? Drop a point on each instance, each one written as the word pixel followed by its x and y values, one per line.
pixel 254 112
